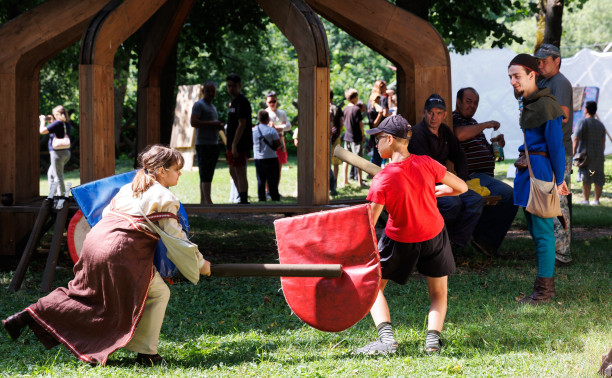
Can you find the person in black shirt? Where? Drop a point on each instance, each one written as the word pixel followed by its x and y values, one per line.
pixel 433 138
pixel 239 138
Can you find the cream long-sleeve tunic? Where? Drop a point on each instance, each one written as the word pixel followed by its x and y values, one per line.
pixel 99 311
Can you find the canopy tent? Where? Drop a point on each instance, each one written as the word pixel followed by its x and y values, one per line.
pixel 487 72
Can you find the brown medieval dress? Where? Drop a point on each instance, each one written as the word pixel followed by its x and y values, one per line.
pixel 99 311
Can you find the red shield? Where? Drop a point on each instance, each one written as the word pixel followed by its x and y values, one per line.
pixel 344 236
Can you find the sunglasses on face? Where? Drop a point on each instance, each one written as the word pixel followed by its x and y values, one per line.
pixel 272 102
pixel 378 138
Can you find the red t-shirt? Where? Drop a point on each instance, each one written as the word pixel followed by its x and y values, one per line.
pixel 407 189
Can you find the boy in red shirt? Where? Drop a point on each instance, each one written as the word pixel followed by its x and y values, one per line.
pixel 415 235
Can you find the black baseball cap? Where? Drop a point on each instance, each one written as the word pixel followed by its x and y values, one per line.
pixel 435 101
pixel 395 125
pixel 525 60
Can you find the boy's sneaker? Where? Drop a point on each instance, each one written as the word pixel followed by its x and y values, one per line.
pixel 434 349
pixel 378 347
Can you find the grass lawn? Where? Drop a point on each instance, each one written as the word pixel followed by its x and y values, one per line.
pixel 243 326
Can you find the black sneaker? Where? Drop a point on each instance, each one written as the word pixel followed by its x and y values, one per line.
pixel 377 347
pixel 149 359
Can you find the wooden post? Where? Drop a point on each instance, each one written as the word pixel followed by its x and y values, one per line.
pixel 160 34
pixel 28 41
pixel 103 36
pixel 304 30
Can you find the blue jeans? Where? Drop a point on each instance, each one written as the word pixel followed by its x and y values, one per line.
pixel 496 220
pixel 542 231
pixel 461 214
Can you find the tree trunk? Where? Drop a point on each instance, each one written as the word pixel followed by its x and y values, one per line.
pixel 549 23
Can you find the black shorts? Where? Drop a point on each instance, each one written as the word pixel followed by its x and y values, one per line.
pixel 432 258
pixel 207 161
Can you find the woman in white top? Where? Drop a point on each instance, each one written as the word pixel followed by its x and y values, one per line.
pixel 117 298
pixel 280 122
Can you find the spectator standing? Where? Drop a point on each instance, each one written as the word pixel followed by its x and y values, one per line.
pixel 206 121
pixel 541 118
pixel 378 110
pixel 239 139
pixel 433 138
pixel 549 63
pixel 337 124
pixel 590 138
pixel 265 144
pixel 280 122
pixel 495 220
pixel 59 126
pixel 353 136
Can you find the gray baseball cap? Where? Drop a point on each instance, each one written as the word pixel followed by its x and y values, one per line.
pixel 546 50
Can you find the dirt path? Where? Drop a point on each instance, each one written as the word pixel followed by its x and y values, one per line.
pixel 578 233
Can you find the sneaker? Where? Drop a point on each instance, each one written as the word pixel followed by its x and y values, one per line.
pixel 377 347
pixel 584 202
pixel 436 349
pixel 594 203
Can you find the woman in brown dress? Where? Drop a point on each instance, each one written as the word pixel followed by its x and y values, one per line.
pixel 117 298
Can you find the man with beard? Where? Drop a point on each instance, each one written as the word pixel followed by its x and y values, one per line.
pixel 549 63
pixel 496 219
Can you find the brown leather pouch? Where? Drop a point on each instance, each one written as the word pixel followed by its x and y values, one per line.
pixel 521 161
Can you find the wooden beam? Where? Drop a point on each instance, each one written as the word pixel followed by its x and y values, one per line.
pixel 408 41
pixel 304 30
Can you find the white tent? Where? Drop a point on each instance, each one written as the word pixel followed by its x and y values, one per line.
pixel 487 72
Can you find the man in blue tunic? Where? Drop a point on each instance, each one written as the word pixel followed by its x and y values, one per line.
pixel 541 121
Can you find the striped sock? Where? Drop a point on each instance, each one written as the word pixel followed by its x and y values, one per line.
pixel 432 340
pixel 385 332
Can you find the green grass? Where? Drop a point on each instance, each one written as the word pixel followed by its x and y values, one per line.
pixel 188 188
pixel 243 326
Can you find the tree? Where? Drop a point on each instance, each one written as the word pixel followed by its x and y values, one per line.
pixel 467 24
pixel 550 21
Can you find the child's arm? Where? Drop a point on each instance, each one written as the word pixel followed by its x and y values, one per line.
pixel 451 186
pixel 376 210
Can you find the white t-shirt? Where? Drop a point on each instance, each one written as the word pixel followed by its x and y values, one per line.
pixel 261 150
pixel 279 118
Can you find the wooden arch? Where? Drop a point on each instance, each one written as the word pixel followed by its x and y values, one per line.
pixel 31 39
pixel 28 42
pixel 408 41
pixel 304 30
pixel 294 18
pixel 111 27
